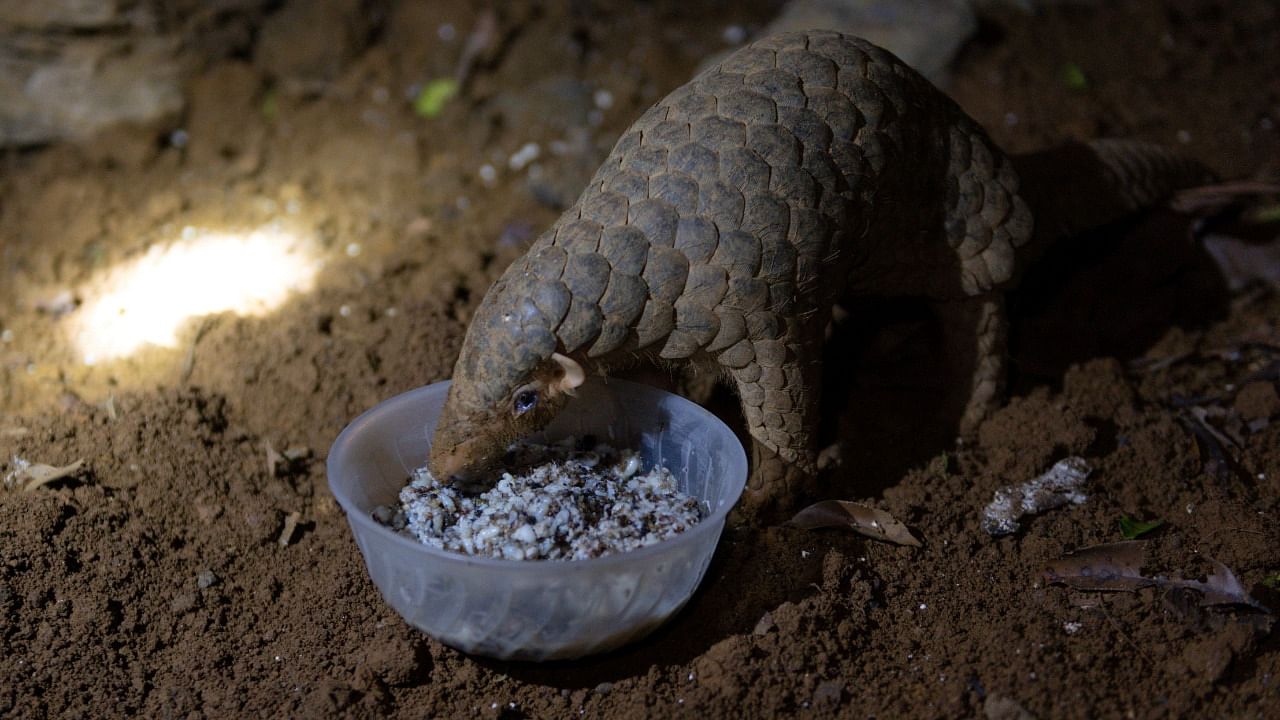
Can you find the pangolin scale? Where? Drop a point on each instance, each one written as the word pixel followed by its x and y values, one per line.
pixel 804 169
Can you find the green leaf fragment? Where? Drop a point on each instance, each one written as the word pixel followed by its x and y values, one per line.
pixel 1073 76
pixel 1267 214
pixel 1272 581
pixel 1132 529
pixel 431 100
pixel 270 105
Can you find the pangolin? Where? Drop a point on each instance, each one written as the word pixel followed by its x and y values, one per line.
pixel 803 170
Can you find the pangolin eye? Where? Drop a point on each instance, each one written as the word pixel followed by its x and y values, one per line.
pixel 525 400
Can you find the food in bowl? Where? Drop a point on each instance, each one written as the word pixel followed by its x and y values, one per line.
pixel 571 500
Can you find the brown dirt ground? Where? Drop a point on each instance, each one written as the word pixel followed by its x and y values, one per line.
pixel 107 604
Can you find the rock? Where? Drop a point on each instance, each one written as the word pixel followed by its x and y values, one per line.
pixel 206 579
pixel 79 86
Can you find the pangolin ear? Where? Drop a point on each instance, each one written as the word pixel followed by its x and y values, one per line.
pixel 571 375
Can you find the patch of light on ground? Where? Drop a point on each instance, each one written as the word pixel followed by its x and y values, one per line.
pixel 148 300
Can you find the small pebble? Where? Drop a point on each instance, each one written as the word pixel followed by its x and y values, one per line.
pixel 390 516
pixel 734 34
pixel 525 155
pixel 603 99
pixel 353 249
pixel 447 32
pixel 206 579
pixel 488 174
pixel 6 336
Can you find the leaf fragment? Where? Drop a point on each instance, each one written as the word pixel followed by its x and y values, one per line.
pixel 32 476
pixel 862 519
pixel 431 100
pixel 1074 78
pixel 1132 529
pixel 1117 567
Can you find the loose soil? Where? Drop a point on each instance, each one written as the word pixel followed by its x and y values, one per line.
pixel 158 582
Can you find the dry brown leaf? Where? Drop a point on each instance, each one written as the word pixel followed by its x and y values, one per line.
pixel 37 475
pixel 862 519
pixel 1117 567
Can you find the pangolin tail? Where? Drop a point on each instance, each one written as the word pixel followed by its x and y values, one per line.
pixel 1077 187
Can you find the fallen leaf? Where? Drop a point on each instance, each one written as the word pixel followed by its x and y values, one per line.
pixel 1074 78
pixel 1211 445
pixel 1132 529
pixel 862 519
pixel 31 476
pixel 435 94
pixel 1117 567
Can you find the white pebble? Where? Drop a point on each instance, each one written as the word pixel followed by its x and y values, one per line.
pixel 525 155
pixel 6 336
pixel 353 249
pixel 488 174
pixel 734 34
pixel 603 99
pixel 345 311
pixel 631 467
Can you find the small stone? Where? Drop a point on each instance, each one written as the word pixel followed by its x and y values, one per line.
pixel 390 516
pixel 206 579
pixel 604 688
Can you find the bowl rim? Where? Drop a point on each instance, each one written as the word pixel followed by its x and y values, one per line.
pixel 712 523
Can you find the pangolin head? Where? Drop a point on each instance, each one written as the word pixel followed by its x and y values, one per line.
pixel 509 381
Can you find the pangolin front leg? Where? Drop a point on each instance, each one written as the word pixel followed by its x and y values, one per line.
pixel 974 344
pixel 780 390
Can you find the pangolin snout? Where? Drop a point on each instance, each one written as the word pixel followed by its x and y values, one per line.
pixel 463 463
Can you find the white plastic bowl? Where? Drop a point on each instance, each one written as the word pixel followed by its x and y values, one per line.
pixel 540 609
